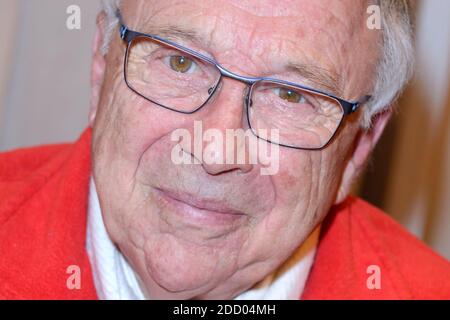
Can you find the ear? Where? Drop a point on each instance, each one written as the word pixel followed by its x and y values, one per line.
pixel 97 68
pixel 363 147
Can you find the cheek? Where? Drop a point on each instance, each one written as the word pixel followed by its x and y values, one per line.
pixel 127 126
pixel 290 221
pixel 143 124
pixel 132 126
pixel 305 188
pixel 297 176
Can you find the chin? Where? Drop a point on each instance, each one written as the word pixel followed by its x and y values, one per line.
pixel 180 267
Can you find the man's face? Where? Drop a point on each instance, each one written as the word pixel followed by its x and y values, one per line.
pixel 211 230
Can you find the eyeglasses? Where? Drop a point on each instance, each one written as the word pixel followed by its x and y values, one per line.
pixel 182 80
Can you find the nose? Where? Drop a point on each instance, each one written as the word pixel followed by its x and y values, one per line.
pixel 226 140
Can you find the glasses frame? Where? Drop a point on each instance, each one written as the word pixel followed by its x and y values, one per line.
pixel 128 36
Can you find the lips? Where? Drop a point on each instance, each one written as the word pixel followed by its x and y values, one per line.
pixel 199 211
pixel 201 204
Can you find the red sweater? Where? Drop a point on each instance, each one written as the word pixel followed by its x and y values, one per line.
pixel 43 208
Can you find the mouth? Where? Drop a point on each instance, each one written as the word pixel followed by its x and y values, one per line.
pixel 197 210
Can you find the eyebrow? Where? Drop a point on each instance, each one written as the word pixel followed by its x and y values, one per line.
pixel 319 76
pixel 173 32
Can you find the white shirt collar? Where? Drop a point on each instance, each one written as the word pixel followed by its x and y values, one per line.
pixel 115 279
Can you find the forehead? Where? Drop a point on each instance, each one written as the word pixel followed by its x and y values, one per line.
pixel 331 34
pixel 274 9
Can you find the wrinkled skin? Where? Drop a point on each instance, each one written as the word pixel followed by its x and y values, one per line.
pixel 176 257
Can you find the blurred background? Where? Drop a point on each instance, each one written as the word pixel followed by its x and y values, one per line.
pixel 44 98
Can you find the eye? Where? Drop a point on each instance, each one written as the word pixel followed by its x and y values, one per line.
pixel 290 95
pixel 181 64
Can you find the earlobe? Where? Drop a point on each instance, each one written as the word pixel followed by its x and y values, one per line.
pixel 97 68
pixel 364 144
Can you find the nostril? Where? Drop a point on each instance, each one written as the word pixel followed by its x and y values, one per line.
pixel 218 169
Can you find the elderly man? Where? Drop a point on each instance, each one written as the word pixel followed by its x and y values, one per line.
pixel 145 205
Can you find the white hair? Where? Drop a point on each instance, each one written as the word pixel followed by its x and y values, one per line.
pixel 110 8
pixel 395 67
